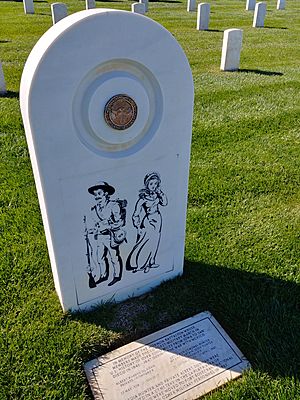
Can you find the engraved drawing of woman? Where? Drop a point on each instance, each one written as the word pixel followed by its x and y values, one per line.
pixel 147 220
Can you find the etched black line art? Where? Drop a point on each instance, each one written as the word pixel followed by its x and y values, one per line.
pixel 104 234
pixel 147 220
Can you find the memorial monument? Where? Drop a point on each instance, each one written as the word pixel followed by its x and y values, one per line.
pixel 107 104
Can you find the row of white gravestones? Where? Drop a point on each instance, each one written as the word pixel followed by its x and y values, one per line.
pixel 2 81
pixel 250 5
pixel 259 15
pixel 58 11
pixel 138 8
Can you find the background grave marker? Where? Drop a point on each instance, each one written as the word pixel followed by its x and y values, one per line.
pixel 250 5
pixel 28 6
pixel 146 4
pixel 231 49
pixel 138 8
pixel 90 4
pixel 2 81
pixel 259 15
pixel 203 16
pixel 191 5
pixel 280 4
pixel 58 11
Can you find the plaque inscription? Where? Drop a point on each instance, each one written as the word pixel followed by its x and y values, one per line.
pixel 120 112
pixel 182 362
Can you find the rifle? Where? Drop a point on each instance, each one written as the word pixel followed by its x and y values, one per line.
pixel 92 282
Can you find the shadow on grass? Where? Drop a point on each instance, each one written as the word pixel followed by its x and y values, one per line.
pixel 10 94
pixel 215 30
pixel 260 314
pixel 5 41
pixel 274 27
pixel 260 72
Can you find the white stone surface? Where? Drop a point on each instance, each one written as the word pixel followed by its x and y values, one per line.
pixel 259 15
pixel 146 4
pixel 2 81
pixel 68 79
pixel 28 6
pixel 280 4
pixel 203 16
pixel 183 362
pixel 231 49
pixel 89 4
pixel 138 8
pixel 250 5
pixel 58 11
pixel 191 5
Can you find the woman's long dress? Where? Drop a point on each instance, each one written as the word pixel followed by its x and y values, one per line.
pixel 147 218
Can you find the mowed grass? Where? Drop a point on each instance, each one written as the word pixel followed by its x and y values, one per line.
pixel 242 242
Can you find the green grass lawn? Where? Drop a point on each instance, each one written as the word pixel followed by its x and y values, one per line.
pixel 243 224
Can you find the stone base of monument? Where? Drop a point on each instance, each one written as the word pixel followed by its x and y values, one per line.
pixel 183 361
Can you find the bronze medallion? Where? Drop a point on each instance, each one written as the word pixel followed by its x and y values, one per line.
pixel 120 112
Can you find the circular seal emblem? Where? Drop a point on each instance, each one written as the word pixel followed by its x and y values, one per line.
pixel 120 112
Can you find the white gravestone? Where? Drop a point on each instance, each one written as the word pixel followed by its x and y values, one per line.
pixel 2 81
pixel 259 15
pixel 183 361
pixel 280 4
pixel 58 11
pixel 89 4
pixel 203 16
pixel 231 50
pixel 138 8
pixel 109 129
pixel 250 5
pixel 28 6
pixel 191 5
pixel 146 4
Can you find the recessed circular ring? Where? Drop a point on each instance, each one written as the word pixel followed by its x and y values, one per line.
pixel 120 112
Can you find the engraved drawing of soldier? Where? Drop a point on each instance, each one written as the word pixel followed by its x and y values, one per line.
pixel 103 239
pixel 147 220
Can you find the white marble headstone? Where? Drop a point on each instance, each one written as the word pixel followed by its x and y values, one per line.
pixel 259 15
pixel 280 4
pixel 203 16
pixel 28 6
pixel 108 127
pixel 2 81
pixel 89 4
pixel 146 4
pixel 231 49
pixel 250 5
pixel 191 5
pixel 138 8
pixel 58 11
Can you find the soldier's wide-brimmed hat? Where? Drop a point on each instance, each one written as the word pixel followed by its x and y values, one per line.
pixel 102 185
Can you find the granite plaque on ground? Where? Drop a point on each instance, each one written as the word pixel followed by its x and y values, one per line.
pixel 184 361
